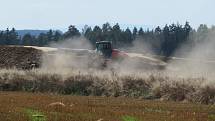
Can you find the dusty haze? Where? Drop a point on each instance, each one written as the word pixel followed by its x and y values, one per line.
pixel 198 61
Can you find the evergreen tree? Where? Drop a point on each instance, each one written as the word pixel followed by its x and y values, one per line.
pixel 7 41
pixel 134 33
pixel 141 32
pixel 57 36
pixel 72 32
pixel 164 46
pixel 13 37
pixel 106 32
pixel 116 36
pixel 202 33
pixel 89 34
pixel 127 35
pixel 97 34
pixel 27 40
pixel 42 40
pixel 158 30
pixel 2 42
pixel 50 35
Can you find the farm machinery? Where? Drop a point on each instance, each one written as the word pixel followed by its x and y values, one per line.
pixel 115 58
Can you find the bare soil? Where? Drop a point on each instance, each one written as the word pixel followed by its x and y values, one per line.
pixel 19 57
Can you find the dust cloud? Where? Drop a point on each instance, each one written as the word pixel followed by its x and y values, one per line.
pixel 140 45
pixel 70 56
pixel 186 62
pixel 195 60
pixel 140 58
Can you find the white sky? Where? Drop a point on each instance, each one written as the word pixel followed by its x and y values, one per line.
pixel 59 14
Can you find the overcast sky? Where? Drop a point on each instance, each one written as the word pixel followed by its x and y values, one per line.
pixel 59 14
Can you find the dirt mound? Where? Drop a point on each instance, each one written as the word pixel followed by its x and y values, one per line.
pixel 19 57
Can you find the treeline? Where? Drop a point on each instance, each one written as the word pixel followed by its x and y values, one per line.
pixel 11 37
pixel 163 41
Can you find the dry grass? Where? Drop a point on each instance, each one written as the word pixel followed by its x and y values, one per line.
pixel 148 85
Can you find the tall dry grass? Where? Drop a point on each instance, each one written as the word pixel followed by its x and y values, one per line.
pixel 148 85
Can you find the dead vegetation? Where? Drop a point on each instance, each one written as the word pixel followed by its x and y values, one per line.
pixel 96 83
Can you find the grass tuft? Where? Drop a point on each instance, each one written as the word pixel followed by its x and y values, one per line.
pixel 129 118
pixel 35 115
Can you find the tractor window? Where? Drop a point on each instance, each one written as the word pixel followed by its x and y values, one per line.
pixel 103 46
pixel 105 49
pixel 100 47
pixel 106 46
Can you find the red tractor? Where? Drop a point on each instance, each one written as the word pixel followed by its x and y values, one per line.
pixel 105 49
pixel 109 55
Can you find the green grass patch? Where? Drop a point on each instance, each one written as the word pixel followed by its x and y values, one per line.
pixel 211 117
pixel 129 118
pixel 35 115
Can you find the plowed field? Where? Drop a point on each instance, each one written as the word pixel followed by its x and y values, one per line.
pixel 19 57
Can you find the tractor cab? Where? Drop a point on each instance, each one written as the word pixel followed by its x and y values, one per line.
pixel 104 48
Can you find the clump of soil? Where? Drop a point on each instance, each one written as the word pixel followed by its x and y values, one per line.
pixel 19 57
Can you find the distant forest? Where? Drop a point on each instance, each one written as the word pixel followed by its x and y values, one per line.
pixel 163 41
